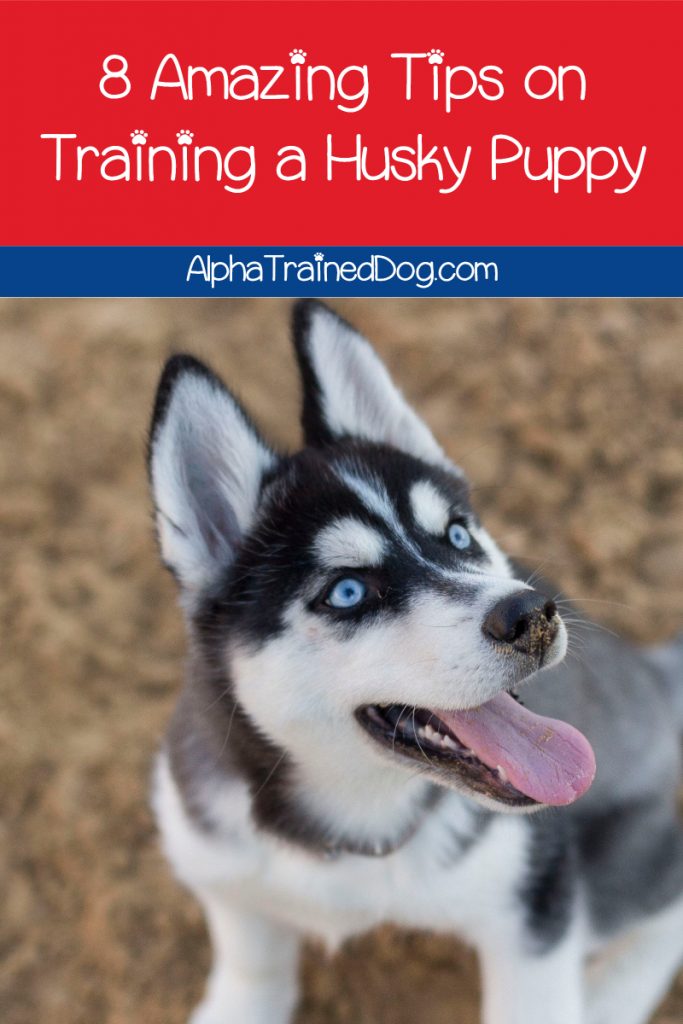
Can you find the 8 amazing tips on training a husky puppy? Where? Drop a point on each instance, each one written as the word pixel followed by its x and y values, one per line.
pixel 349 748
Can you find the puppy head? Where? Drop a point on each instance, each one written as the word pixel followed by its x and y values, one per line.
pixel 364 617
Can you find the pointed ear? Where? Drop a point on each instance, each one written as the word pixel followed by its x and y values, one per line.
pixel 206 466
pixel 347 391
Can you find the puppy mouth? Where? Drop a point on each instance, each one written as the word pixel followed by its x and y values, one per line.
pixel 500 749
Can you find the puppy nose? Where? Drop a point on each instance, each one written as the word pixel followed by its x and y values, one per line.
pixel 525 621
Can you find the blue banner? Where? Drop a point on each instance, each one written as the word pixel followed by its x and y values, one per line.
pixel 341 271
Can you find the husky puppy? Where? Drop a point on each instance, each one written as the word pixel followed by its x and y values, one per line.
pixel 349 748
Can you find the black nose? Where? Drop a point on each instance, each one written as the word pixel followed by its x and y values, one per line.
pixel 524 621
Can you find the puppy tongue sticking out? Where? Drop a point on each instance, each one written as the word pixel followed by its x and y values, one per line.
pixel 549 761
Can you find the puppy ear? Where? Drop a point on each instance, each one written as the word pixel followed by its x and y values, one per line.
pixel 347 391
pixel 206 466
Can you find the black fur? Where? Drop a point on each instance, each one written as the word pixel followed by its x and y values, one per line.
pixel 305 495
pixel 465 840
pixel 549 888
pixel 651 846
pixel 316 430
pixel 175 367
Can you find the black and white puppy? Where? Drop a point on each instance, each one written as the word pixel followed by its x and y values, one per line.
pixel 349 750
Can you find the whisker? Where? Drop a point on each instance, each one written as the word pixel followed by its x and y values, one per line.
pixel 578 624
pixel 271 772
pixel 227 734
pixel 593 600
pixel 393 738
pixel 221 695
pixel 417 740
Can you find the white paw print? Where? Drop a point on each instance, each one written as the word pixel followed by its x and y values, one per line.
pixel 435 56
pixel 138 137
pixel 298 56
pixel 184 136
pixel 318 257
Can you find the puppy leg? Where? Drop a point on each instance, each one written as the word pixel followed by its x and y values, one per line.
pixel 520 987
pixel 253 979
pixel 626 983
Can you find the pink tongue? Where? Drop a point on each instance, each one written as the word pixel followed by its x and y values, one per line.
pixel 549 761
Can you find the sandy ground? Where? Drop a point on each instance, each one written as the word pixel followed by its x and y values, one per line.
pixel 567 416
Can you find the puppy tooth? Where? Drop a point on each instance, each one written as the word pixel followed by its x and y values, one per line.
pixel 502 773
pixel 449 743
pixel 428 731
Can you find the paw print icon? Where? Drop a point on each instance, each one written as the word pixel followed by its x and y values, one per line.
pixel 318 257
pixel 435 56
pixel 184 136
pixel 297 56
pixel 138 137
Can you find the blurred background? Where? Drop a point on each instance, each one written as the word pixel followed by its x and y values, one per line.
pixel 567 416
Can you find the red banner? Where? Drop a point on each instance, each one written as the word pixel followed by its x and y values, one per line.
pixel 414 123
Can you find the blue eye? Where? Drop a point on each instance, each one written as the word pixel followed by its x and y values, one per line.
pixel 347 593
pixel 459 537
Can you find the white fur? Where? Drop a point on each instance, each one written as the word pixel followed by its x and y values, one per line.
pixel 261 897
pixel 626 982
pixel 303 687
pixel 520 988
pixel 254 973
pixel 358 394
pixel 499 564
pixel 206 467
pixel 371 492
pixel 348 543
pixel 430 509
pixel 424 884
pixel 374 497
